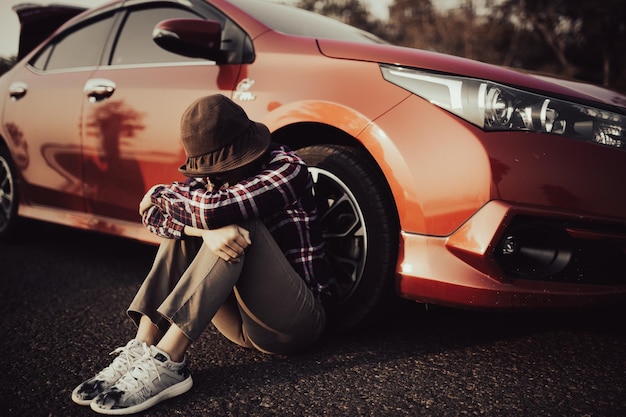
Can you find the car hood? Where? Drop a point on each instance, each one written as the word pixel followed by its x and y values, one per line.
pixel 416 58
pixel 38 22
pixel 600 93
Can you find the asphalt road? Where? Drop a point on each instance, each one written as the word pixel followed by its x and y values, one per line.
pixel 64 293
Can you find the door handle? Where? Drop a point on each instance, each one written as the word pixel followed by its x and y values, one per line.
pixel 98 89
pixel 17 90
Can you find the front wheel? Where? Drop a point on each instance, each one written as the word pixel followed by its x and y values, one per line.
pixel 8 194
pixel 360 230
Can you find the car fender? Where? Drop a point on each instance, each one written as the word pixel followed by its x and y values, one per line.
pixel 370 136
pixel 336 115
pixel 437 167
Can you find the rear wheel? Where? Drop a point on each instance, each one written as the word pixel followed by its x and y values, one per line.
pixel 360 230
pixel 8 194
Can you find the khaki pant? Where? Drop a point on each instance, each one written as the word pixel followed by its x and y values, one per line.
pixel 260 302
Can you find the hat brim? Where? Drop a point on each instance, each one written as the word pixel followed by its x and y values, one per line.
pixel 246 149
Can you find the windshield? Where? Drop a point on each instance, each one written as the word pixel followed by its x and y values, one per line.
pixel 294 21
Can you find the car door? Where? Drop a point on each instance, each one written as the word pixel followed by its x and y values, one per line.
pixel 132 116
pixel 45 111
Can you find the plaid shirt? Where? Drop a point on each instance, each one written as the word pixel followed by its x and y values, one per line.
pixel 279 195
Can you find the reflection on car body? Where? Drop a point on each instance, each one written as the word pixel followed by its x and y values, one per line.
pixel 440 179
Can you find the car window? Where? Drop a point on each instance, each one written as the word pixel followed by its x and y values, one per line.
pixel 135 44
pixel 41 59
pixel 78 48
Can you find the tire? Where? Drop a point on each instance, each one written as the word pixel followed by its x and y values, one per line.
pixel 8 194
pixel 360 230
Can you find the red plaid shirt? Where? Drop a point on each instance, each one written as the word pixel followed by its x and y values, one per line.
pixel 279 195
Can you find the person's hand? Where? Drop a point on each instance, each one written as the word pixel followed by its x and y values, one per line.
pixel 146 201
pixel 228 242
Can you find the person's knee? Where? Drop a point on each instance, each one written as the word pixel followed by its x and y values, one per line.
pixel 254 226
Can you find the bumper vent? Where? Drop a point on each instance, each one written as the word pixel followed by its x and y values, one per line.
pixel 556 251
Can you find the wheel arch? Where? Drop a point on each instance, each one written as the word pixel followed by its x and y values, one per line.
pixel 302 134
pixel 318 122
pixel 9 192
pixel 18 159
pixel 3 141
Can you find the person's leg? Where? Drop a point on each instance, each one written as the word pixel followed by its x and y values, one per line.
pixel 188 300
pixel 200 292
pixel 148 332
pixel 172 258
pixel 229 323
pixel 271 308
pixel 171 261
pixel 186 285
pixel 175 342
pixel 189 286
pixel 278 314
pixel 168 293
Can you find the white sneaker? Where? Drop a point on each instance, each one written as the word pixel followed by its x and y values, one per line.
pixel 153 379
pixel 127 355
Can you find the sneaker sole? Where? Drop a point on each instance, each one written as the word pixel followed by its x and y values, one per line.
pixel 171 392
pixel 76 398
pixel 79 400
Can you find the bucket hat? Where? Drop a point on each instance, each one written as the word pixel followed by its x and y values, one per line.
pixel 218 136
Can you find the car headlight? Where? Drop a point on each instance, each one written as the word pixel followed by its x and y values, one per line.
pixel 496 107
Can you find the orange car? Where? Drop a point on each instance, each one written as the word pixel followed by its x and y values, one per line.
pixel 444 180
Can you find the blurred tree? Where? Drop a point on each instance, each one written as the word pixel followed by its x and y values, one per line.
pixel 585 40
pixel 352 12
pixel 582 40
pixel 458 31
pixel 602 47
pixel 414 23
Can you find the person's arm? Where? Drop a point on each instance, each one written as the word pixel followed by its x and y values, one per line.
pixel 161 224
pixel 279 185
pixel 156 221
pixel 228 242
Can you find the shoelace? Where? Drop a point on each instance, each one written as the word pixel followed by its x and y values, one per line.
pixel 125 359
pixel 139 372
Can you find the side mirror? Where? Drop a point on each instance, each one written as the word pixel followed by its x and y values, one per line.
pixel 195 38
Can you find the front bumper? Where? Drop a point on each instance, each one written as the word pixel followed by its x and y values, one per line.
pixel 512 257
